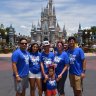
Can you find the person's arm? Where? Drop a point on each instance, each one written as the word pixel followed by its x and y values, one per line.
pixel 45 80
pixel 15 57
pixel 84 69
pixel 43 72
pixel 64 69
pixel 15 71
pixel 42 69
pixel 84 65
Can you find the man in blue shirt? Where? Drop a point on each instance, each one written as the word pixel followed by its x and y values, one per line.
pixel 20 66
pixel 77 66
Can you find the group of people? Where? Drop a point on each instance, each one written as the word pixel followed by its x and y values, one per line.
pixel 48 70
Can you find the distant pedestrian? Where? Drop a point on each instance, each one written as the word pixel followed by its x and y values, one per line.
pixel 51 82
pixel 35 70
pixel 47 58
pixel 77 66
pixel 20 66
pixel 65 46
pixel 61 62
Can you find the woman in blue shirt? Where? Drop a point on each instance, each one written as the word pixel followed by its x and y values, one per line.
pixel 61 61
pixel 35 70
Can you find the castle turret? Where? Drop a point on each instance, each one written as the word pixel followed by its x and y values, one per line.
pixel 49 27
pixel 64 33
pixel 50 7
pixel 39 34
pixel 11 36
pixel 80 35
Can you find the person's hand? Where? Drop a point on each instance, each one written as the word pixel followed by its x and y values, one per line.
pixel 83 75
pixel 46 77
pixel 59 76
pixel 57 79
pixel 18 79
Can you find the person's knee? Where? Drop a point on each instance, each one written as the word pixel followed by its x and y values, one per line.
pixel 32 88
pixel 78 93
pixel 61 91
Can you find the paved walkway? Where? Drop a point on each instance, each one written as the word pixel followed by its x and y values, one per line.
pixel 10 54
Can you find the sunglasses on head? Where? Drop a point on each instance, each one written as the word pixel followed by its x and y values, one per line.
pixel 23 43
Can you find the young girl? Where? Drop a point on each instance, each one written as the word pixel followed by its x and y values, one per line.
pixel 51 84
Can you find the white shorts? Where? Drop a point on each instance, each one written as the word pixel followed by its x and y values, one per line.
pixel 32 75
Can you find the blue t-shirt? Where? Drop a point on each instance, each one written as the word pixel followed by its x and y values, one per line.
pixel 21 58
pixel 34 65
pixel 47 59
pixel 51 84
pixel 76 57
pixel 61 60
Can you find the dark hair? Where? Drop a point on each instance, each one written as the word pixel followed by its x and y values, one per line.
pixel 30 49
pixel 22 39
pixel 51 67
pixel 70 38
pixel 60 42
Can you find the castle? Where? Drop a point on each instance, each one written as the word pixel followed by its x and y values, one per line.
pixel 48 27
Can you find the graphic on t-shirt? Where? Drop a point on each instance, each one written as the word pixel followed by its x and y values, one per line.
pixel 35 60
pixel 57 60
pixel 72 58
pixel 47 61
pixel 52 82
pixel 26 57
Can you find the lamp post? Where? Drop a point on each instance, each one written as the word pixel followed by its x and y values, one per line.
pixel 5 36
pixel 86 39
pixel 0 40
pixel 90 39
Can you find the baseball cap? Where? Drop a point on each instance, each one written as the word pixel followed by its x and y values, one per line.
pixel 45 43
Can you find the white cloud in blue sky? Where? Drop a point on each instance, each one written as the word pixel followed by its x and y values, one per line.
pixel 21 13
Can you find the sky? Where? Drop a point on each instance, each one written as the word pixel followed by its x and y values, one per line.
pixel 22 13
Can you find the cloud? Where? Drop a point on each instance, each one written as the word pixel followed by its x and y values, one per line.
pixel 21 13
pixel 23 27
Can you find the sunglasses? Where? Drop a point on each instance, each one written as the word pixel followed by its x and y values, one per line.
pixel 23 43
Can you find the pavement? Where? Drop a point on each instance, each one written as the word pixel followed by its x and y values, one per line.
pixel 10 54
pixel 7 84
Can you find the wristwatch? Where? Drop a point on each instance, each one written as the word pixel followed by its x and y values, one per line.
pixel 83 71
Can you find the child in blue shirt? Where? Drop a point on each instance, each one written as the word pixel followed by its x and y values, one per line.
pixel 51 84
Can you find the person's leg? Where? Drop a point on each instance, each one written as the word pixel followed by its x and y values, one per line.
pixel 54 92
pixel 48 93
pixel 43 86
pixel 78 93
pixel 23 92
pixel 60 86
pixel 39 85
pixel 32 86
pixel 78 86
pixel 18 94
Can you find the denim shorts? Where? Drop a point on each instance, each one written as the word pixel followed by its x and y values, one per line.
pixel 23 84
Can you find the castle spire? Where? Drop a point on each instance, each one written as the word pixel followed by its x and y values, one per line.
pixel 79 26
pixel 50 7
pixel 54 11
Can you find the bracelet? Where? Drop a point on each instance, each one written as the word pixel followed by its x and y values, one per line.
pixel 83 71
pixel 17 75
